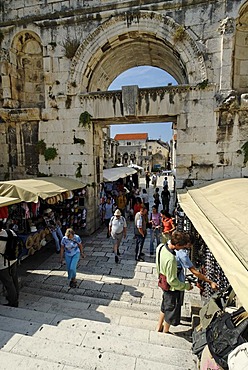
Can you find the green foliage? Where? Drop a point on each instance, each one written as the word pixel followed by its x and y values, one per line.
pixel 202 85
pixel 179 34
pixel 41 146
pixel 85 120
pixel 1 37
pixel 78 170
pixel 78 141
pixel 70 46
pixel 245 151
pixel 50 153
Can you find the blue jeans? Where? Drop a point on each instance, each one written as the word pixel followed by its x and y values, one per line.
pixel 139 245
pixel 57 236
pixel 71 265
pixel 154 233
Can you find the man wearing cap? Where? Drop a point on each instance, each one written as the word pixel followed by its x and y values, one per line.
pixel 117 229
pixel 54 227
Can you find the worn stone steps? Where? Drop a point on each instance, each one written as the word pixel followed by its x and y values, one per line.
pixel 13 361
pixel 88 351
pixel 44 300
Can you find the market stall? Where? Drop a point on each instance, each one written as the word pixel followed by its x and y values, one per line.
pixel 66 197
pixel 219 213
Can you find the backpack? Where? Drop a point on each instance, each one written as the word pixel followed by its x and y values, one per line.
pixel 12 249
pixel 226 333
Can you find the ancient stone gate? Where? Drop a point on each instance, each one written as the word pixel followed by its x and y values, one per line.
pixel 57 59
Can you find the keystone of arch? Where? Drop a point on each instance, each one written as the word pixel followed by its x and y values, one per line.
pixel 150 23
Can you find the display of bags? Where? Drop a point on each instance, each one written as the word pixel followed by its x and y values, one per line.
pixel 216 305
pixel 199 341
pixel 226 333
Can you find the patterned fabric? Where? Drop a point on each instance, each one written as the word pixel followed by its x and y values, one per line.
pixel 71 245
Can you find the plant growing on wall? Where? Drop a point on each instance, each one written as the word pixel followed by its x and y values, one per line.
pixel 85 120
pixel 78 171
pixel 1 37
pixel 50 153
pixel 70 47
pixel 245 151
pixel 41 146
pixel 78 141
pixel 179 34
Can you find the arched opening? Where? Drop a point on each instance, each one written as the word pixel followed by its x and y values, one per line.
pixel 27 77
pixel 114 48
pixel 144 76
pixel 240 77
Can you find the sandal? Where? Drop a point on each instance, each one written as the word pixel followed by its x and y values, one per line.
pixel 73 284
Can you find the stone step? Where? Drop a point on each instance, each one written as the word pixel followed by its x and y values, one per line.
pixel 13 361
pixel 111 313
pixel 75 296
pixel 93 353
pixel 109 338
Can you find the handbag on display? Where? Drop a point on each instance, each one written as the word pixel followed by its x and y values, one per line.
pixel 162 280
pixel 225 333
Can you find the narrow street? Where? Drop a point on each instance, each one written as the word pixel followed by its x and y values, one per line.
pixel 110 318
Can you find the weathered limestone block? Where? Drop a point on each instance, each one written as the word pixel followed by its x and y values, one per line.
pixel 244 100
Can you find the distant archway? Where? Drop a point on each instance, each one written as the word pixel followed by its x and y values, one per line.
pixel 149 39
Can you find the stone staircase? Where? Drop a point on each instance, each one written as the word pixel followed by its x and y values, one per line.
pixel 108 322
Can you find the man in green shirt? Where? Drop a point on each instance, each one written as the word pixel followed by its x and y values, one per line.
pixel 171 304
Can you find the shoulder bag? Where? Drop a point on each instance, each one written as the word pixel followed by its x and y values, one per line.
pixel 162 280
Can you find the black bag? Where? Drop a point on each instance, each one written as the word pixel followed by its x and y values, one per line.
pixel 12 249
pixel 225 333
pixel 199 341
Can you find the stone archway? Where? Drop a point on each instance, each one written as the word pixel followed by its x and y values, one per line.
pixel 149 39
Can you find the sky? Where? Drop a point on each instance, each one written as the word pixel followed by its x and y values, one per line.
pixel 143 77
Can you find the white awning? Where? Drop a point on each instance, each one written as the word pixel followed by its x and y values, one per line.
pixel 219 212
pixel 114 174
pixel 29 190
pixel 7 201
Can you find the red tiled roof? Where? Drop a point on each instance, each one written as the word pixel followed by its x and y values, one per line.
pixel 141 136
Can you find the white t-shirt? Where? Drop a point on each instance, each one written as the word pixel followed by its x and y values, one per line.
pixel 2 250
pixel 117 224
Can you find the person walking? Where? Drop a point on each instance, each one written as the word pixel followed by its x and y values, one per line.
pixel 148 179
pixel 155 222
pixel 8 270
pixel 167 226
pixel 154 180
pixel 118 230
pixel 156 198
pixel 121 202
pixel 165 197
pixel 54 226
pixel 108 213
pixel 166 264
pixel 145 199
pixel 71 248
pixel 140 232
